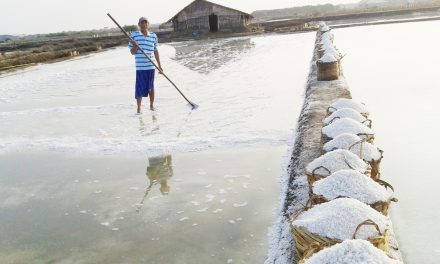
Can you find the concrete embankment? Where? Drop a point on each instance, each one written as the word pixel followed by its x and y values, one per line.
pixel 319 95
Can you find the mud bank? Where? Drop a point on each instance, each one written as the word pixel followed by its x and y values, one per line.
pixel 318 96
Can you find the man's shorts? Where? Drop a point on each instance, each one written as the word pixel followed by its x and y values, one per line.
pixel 144 83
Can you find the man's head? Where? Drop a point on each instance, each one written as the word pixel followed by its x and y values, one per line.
pixel 143 20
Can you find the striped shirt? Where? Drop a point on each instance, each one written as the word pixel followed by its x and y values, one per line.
pixel 149 45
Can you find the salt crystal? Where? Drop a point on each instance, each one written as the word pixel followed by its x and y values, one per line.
pixel 339 218
pixel 336 160
pixel 352 184
pixel 240 204
pixel 364 150
pixel 355 251
pixel 345 112
pixel 349 103
pixel 346 125
pixel 328 58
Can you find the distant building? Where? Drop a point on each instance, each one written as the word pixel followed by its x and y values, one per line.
pixel 204 16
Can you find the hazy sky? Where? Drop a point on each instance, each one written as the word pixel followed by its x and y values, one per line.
pixel 45 16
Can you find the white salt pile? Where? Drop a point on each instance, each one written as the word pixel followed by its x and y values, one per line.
pixel 325 28
pixel 327 35
pixel 330 49
pixel 339 218
pixel 326 42
pixel 336 160
pixel 352 184
pixel 349 103
pixel 346 125
pixel 328 58
pixel 364 150
pixel 355 251
pixel 345 113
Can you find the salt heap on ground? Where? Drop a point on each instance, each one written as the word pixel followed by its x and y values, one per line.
pixel 349 103
pixel 346 125
pixel 352 184
pixel 328 58
pixel 355 251
pixel 339 218
pixel 346 113
pixel 336 160
pixel 364 150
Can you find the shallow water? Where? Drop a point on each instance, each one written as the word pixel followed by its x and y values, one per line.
pixel 205 207
pixel 393 69
pixel 86 180
pixel 249 94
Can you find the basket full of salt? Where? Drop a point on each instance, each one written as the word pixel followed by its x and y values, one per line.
pixel 346 125
pixel 363 149
pixel 353 184
pixel 328 67
pixel 348 103
pixel 335 221
pixel 351 251
pixel 347 113
pixel 333 161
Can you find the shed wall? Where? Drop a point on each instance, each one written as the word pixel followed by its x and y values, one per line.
pixel 196 17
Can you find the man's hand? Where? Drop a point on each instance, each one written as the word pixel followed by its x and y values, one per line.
pixel 134 43
pixel 160 70
pixel 135 47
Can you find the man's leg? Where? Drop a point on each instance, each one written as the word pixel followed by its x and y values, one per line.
pixel 139 102
pixel 152 100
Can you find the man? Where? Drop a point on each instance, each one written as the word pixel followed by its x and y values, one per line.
pixel 145 70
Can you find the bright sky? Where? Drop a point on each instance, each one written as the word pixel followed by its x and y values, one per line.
pixel 46 16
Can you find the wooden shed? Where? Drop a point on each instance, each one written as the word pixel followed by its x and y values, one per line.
pixel 205 16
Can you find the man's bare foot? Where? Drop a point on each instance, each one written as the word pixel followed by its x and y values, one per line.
pixel 152 108
pixel 138 111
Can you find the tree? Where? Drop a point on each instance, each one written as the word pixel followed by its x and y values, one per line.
pixel 130 28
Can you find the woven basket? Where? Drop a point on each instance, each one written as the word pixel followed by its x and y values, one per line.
pixel 368 138
pixel 381 206
pixel 331 109
pixel 312 177
pixel 328 71
pixel 307 243
pixel 366 122
pixel 374 164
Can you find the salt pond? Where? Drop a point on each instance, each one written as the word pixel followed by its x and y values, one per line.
pixel 84 179
pixel 75 157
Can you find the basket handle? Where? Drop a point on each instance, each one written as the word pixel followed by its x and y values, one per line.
pixel 329 108
pixel 314 200
pixel 348 164
pixel 365 134
pixel 367 122
pixel 385 184
pixel 356 143
pixel 333 119
pixel 297 213
pixel 366 222
pixel 321 167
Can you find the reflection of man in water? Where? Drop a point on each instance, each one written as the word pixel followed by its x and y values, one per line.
pixel 160 170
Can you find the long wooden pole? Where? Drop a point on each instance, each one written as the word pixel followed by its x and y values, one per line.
pixel 193 105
